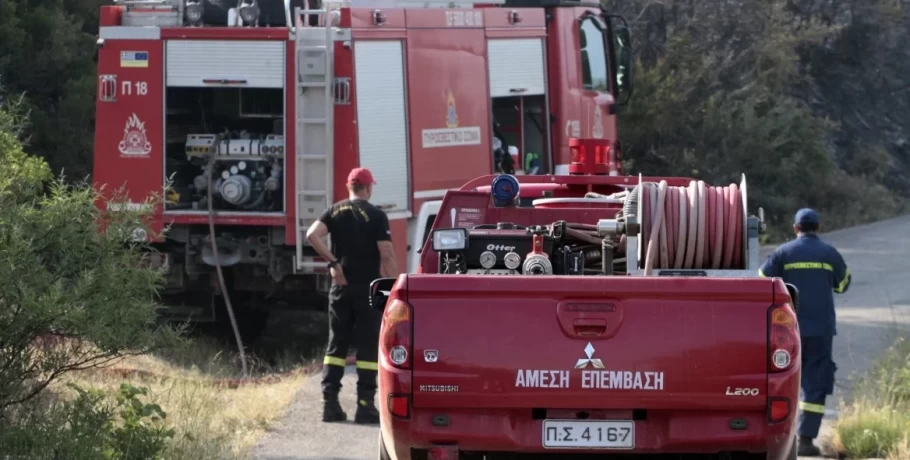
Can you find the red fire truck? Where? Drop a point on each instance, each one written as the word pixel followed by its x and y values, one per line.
pixel 279 100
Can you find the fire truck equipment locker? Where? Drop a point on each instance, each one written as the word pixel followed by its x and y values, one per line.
pixel 382 125
pixel 219 63
pixel 516 67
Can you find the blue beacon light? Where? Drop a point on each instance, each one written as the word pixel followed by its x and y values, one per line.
pixel 504 190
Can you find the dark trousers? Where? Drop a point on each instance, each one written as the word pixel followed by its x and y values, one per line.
pixel 351 321
pixel 817 382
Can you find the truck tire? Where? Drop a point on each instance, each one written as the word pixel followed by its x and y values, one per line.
pixel 384 454
pixel 792 454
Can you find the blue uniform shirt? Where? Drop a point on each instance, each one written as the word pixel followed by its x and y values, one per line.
pixel 816 269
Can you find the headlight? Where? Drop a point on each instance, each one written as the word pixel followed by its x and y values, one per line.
pixel 193 12
pixel 450 239
pixel 249 12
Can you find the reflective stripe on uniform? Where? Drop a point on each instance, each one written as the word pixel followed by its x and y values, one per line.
pixel 333 361
pixel 762 274
pixel 808 266
pixel 367 365
pixel 844 282
pixel 814 408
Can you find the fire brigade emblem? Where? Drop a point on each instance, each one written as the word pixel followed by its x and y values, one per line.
pixel 134 140
pixel 451 113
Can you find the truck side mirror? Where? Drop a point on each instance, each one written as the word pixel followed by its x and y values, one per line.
pixel 622 57
pixel 794 294
pixel 624 61
pixel 380 289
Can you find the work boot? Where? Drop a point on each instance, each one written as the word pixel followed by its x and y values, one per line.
pixel 806 448
pixel 331 409
pixel 366 412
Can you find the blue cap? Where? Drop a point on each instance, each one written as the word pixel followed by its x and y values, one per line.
pixel 805 216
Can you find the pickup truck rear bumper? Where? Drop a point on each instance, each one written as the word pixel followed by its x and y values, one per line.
pixel 516 431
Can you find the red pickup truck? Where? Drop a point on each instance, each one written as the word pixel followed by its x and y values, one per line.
pixel 555 316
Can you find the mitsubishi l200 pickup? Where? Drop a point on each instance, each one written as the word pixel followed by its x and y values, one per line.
pixel 563 316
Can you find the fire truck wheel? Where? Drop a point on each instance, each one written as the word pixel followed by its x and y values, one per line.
pixel 383 453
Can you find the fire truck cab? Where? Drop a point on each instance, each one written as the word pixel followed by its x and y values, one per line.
pixel 281 98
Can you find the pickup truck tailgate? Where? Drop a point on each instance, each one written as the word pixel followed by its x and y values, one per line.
pixel 589 342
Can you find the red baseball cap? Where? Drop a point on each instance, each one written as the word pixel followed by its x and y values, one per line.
pixel 360 176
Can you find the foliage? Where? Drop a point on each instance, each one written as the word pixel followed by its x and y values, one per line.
pixel 21 176
pixel 727 87
pixel 47 51
pixel 91 428
pixel 877 422
pixel 71 297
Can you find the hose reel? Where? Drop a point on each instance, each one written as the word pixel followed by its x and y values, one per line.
pixel 687 229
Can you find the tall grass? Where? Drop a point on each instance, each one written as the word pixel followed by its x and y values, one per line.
pixel 214 413
pixel 876 423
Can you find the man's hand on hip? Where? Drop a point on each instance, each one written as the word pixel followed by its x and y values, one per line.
pixel 338 276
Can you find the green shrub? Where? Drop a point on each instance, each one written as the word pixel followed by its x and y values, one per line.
pixel 74 290
pixel 90 427
pixel 868 429
pixel 877 422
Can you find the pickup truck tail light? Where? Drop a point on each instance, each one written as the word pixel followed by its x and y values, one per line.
pixel 783 338
pixel 395 338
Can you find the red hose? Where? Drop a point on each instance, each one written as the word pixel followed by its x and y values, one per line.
pixel 694 227
pixel 682 226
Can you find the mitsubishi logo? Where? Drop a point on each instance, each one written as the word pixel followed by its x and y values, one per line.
pixel 583 362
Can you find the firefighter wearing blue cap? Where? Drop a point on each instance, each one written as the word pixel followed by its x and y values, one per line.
pixel 816 269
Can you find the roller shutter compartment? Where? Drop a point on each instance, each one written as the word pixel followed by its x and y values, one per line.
pixel 383 133
pixel 249 64
pixel 516 67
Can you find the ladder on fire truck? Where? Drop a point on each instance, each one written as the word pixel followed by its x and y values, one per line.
pixel 316 94
pixel 314 121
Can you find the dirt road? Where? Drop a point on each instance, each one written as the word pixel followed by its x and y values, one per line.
pixel 876 307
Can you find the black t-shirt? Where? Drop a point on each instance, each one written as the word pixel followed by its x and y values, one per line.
pixel 356 226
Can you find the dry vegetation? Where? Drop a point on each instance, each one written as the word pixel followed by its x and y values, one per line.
pixel 876 423
pixel 215 414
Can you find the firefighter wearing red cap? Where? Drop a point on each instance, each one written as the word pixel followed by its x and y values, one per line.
pixel 361 252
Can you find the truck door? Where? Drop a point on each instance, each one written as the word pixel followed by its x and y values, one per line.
pixel 517 75
pixel 582 87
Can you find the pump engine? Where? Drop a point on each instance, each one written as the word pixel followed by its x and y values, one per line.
pixel 246 174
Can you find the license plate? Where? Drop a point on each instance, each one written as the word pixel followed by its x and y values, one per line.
pixel 589 434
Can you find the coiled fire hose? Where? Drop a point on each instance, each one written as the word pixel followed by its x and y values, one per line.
pixel 694 227
pixel 210 165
